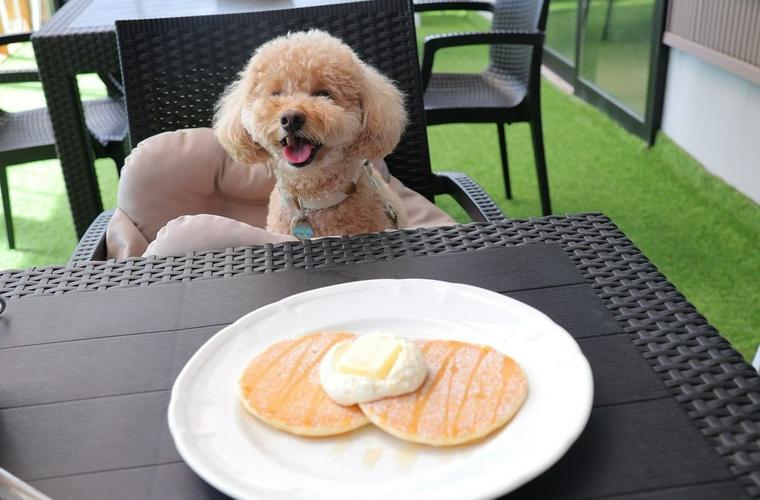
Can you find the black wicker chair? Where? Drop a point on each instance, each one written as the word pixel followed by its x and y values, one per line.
pixel 27 136
pixel 508 91
pixel 174 70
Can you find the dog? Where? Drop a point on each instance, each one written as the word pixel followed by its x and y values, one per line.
pixel 310 109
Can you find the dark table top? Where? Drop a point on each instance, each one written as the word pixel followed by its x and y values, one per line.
pixel 85 375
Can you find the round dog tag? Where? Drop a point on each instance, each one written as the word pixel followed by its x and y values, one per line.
pixel 301 229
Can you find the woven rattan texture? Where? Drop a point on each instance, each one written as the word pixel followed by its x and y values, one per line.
pixel 487 207
pixel 510 64
pixel 25 129
pixel 106 120
pixel 712 382
pixel 504 83
pixel 19 75
pixel 462 90
pixel 93 244
pixel 60 53
pixel 175 69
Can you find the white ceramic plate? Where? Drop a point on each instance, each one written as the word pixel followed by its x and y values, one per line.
pixel 245 458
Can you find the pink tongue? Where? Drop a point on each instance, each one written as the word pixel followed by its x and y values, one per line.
pixel 297 153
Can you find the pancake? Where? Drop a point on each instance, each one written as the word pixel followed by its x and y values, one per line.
pixel 471 390
pixel 281 387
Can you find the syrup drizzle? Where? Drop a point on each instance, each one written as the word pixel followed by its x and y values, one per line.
pixel 484 351
pixel 255 375
pixel 453 371
pixel 316 400
pixel 287 392
pixel 502 387
pixel 283 383
pixel 486 388
pixel 421 403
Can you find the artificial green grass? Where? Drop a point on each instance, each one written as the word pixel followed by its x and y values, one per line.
pixel 702 234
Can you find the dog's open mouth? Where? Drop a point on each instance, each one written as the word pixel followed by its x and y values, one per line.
pixel 299 151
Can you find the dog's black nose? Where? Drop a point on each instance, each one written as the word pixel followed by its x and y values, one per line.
pixel 292 121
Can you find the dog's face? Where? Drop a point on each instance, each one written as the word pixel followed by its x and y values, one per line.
pixel 305 99
pixel 305 102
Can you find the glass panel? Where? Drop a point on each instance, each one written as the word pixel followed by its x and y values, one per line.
pixel 615 49
pixel 561 27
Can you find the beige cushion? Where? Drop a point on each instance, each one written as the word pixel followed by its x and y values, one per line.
pixel 180 192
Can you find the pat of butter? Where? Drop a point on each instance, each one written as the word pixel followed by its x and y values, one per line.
pixel 370 356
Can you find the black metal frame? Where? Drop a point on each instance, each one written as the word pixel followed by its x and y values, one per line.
pixel 153 40
pixel 645 127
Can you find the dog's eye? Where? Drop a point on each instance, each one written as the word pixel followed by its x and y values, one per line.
pixel 323 93
pixel 276 93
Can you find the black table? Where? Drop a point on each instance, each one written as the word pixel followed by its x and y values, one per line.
pixel 88 355
pixel 81 38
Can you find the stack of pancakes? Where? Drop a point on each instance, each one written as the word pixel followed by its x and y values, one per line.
pixel 470 391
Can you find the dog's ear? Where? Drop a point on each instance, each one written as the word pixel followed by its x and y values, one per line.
pixel 383 115
pixel 228 125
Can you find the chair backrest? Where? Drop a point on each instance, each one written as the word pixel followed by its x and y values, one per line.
pixel 513 63
pixel 175 69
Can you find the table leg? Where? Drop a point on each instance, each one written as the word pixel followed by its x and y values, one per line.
pixel 72 141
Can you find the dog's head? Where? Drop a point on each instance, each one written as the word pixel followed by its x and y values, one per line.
pixel 306 99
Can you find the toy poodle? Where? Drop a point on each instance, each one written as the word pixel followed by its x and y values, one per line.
pixel 310 109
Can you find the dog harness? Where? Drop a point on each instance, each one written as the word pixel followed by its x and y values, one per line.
pixel 301 228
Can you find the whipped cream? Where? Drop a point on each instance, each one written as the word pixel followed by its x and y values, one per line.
pixel 406 375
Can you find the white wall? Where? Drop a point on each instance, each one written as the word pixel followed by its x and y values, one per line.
pixel 715 116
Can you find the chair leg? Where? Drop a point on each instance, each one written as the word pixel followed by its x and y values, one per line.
pixel 504 162
pixel 536 132
pixel 7 206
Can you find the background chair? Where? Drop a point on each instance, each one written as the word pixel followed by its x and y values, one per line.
pixel 174 71
pixel 27 136
pixel 508 91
